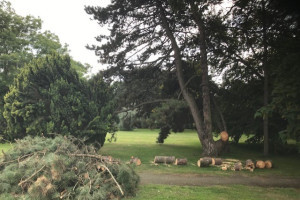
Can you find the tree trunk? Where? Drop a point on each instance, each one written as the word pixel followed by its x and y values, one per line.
pixel 220 114
pixel 208 138
pixel 266 82
pixel 203 130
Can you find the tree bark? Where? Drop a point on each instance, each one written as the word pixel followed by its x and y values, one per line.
pixel 266 81
pixel 220 114
pixel 181 161
pixel 164 159
pixel 203 163
pixel 208 139
pixel 203 129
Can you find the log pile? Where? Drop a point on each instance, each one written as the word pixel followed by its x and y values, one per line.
pixel 232 164
pixel 236 165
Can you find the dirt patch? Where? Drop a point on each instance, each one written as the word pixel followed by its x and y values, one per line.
pixel 204 180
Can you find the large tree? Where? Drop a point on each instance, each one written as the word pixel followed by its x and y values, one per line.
pixel 163 34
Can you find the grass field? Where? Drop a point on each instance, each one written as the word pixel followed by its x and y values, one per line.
pixel 235 192
pixel 141 143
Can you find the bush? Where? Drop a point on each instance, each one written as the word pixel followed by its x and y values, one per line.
pixel 65 168
pixel 49 97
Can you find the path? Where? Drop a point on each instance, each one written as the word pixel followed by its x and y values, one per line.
pixel 205 180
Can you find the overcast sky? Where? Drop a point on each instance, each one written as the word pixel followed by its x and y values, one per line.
pixel 68 20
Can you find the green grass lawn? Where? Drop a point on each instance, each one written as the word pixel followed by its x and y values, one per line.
pixel 238 192
pixel 142 143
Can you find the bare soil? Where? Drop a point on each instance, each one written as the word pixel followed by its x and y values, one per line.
pixel 206 180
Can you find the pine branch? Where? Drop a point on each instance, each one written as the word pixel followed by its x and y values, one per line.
pixel 113 179
pixel 35 173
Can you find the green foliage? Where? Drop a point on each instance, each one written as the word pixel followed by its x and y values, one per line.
pixel 64 168
pixel 286 92
pixel 171 115
pixel 21 40
pixel 49 97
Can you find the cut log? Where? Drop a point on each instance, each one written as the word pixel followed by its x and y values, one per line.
pixel 181 161
pixel 260 164
pixel 135 161
pixel 164 159
pixel 268 164
pixel 210 160
pixel 218 161
pixel 203 162
pixel 238 166
pixel 249 164
pixel 224 136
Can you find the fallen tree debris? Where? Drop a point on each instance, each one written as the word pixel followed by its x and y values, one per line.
pixel 181 161
pixel 135 160
pixel 164 159
pixel 45 168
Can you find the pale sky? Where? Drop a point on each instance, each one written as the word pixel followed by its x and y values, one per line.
pixel 68 20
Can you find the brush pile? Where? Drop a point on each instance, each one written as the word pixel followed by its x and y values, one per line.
pixel 62 168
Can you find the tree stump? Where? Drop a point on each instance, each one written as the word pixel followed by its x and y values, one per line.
pixel 260 164
pixel 181 161
pixel 203 162
pixel 164 159
pixel 136 161
pixel 268 164
pixel 224 136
